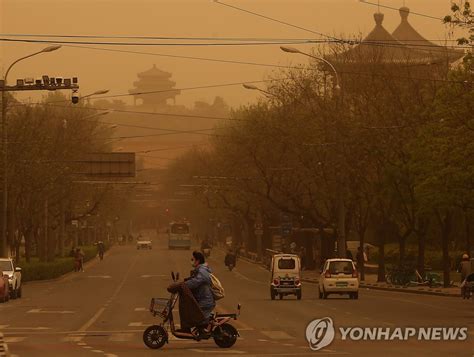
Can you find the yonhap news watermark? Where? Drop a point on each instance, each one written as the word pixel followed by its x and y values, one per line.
pixel 321 333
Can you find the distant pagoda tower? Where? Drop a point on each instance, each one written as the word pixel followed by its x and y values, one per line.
pixel 154 80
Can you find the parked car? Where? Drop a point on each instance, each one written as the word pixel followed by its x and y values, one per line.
pixel 338 276
pixel 4 290
pixel 143 244
pixel 14 277
pixel 285 276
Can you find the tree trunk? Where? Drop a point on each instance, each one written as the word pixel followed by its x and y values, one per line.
pixel 445 222
pixel 421 233
pixel 29 237
pixel 467 227
pixel 361 268
pixel 381 246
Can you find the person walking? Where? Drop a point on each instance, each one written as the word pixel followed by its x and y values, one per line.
pixel 79 260
pixel 465 269
pixel 360 260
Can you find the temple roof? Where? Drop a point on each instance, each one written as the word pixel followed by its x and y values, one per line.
pixel 154 72
pixel 407 34
pixel 405 44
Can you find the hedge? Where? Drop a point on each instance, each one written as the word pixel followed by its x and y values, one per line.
pixel 36 270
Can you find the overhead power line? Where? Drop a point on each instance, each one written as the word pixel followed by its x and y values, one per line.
pixel 160 44
pixel 164 38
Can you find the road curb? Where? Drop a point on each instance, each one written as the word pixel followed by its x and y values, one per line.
pixel 420 291
pixel 4 352
pixel 396 289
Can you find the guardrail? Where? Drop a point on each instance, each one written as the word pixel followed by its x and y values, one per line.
pixel 3 347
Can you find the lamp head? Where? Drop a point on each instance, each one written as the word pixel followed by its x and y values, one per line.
pixel 289 49
pixel 51 48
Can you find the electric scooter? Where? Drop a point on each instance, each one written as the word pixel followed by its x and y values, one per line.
pixel 155 336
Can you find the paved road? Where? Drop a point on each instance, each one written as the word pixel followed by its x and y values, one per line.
pixel 102 312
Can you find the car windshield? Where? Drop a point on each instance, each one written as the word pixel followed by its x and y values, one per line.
pixel 286 263
pixel 6 266
pixel 179 229
pixel 341 267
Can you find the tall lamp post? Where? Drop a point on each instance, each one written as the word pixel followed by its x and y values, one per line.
pixel 341 215
pixel 3 239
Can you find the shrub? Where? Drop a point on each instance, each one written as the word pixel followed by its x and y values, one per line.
pixel 36 270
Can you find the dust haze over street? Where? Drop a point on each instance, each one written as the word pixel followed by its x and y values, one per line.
pixel 236 177
pixel 108 306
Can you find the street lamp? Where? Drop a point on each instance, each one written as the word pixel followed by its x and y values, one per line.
pixel 252 87
pixel 341 241
pixel 3 238
pixel 99 92
pixel 295 50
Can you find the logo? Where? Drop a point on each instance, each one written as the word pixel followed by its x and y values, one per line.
pixel 320 333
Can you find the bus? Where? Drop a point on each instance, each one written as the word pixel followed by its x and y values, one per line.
pixel 179 236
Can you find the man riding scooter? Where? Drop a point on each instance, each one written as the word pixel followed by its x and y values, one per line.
pixel 200 285
pixel 206 248
pixel 230 259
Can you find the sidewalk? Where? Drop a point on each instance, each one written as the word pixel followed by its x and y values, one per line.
pixel 312 276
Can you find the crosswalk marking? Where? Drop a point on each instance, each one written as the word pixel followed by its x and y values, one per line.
pixel 137 324
pixel 121 337
pixel 277 335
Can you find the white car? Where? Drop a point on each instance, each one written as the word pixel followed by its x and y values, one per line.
pixel 14 276
pixel 143 244
pixel 338 276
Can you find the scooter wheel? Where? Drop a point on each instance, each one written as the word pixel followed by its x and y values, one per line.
pixel 155 337
pixel 226 336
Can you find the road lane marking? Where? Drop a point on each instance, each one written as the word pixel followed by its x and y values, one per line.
pixel 41 311
pixel 40 328
pixel 100 276
pixel 262 340
pixel 98 351
pixel 71 339
pixel 141 309
pixel 13 339
pixel 92 320
pixel 81 343
pixel 137 324
pixel 152 276
pixel 277 335
pixel 121 337
pixel 220 352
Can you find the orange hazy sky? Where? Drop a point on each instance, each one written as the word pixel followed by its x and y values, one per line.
pixel 99 69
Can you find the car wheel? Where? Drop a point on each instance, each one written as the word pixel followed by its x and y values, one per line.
pixel 298 295
pixel 272 293
pixel 14 294
pixel 355 296
pixel 320 295
pixel 281 296
pixel 18 293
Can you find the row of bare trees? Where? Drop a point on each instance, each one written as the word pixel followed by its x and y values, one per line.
pixel 46 193
pixel 395 141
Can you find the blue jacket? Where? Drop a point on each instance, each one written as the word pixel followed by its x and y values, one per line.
pixel 200 285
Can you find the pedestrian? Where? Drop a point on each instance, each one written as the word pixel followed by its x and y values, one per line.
pixel 465 269
pixel 360 260
pixel 349 255
pixel 302 255
pixel 293 247
pixel 79 260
